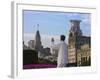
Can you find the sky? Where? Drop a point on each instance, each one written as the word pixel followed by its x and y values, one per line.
pixel 53 23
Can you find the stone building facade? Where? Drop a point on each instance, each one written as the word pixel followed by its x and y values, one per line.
pixel 79 48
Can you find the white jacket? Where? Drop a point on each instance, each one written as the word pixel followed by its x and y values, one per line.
pixel 62 53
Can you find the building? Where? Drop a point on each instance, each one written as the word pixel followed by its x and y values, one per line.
pixel 84 55
pixel 31 44
pixel 24 46
pixel 37 43
pixel 78 45
pixel 54 51
pixel 37 46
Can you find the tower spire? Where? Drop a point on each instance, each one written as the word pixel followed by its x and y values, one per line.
pixel 37 26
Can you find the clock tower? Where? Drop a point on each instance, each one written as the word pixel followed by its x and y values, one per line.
pixel 74 41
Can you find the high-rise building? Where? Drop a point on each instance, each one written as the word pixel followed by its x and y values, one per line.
pixel 31 44
pixel 54 52
pixel 24 46
pixel 37 43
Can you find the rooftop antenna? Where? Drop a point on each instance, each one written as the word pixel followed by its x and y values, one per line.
pixel 37 26
pixel 52 40
pixel 34 26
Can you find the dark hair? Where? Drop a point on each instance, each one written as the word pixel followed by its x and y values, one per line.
pixel 62 38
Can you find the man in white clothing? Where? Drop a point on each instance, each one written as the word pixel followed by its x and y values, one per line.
pixel 62 59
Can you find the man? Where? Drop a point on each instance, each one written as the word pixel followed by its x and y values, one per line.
pixel 62 59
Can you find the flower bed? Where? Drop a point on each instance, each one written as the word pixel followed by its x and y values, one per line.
pixel 37 66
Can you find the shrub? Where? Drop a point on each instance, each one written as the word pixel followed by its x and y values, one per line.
pixel 30 57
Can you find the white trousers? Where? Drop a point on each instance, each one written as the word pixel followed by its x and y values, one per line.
pixel 62 65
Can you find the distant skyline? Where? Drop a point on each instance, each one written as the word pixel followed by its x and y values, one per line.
pixel 53 24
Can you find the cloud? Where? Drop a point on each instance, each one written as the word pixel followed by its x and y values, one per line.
pixel 80 16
